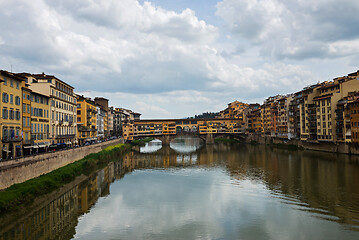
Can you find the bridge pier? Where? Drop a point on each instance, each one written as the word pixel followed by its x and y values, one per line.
pixel 166 139
pixel 209 139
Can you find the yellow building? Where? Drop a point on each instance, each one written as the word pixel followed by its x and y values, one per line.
pixel 62 106
pixel 128 130
pixel 255 121
pixel 26 118
pixel 86 120
pixel 40 122
pixel 11 117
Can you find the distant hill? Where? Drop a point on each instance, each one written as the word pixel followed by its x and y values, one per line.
pixel 207 115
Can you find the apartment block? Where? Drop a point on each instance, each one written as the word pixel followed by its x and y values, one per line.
pixel 86 120
pixel 11 114
pixel 40 122
pixel 103 110
pixel 62 106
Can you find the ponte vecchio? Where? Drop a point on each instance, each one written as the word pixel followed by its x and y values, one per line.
pixel 168 129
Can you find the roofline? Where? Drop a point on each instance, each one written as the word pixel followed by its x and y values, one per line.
pixel 42 76
pixel 13 75
pixel 185 119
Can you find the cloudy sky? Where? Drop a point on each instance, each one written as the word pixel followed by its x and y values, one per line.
pixel 171 59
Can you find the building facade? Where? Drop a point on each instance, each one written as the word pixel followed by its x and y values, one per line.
pixel 86 120
pixel 40 122
pixel 11 114
pixel 63 127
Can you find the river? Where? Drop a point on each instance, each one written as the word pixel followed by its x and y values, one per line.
pixel 194 191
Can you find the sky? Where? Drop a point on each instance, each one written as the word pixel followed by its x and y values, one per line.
pixel 178 58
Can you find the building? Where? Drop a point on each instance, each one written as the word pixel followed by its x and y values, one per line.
pixel 103 110
pixel 254 121
pixel 111 113
pixel 40 122
pixel 11 114
pixel 86 120
pixel 352 113
pixel 62 106
pixel 101 116
pixel 269 108
pixel 26 118
pixel 117 122
pixel 282 124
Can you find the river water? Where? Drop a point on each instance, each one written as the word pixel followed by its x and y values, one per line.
pixel 191 191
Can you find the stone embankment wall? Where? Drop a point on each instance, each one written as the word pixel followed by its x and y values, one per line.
pixel 22 169
pixel 346 148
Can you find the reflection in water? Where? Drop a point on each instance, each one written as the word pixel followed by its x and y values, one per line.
pixel 152 146
pixel 186 144
pixel 216 192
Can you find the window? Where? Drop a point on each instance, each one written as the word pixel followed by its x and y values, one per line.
pixel 4 113
pixel 5 97
pixel 11 99
pixel 24 107
pixel 24 121
pixel 18 114
pixel 11 114
pixel 5 132
pixel 17 85
pixel 17 100
pixel 24 96
pixel 28 108
pixel 11 83
pixel 5 81
pixel 28 122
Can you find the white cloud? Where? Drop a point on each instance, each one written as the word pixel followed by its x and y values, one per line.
pixel 139 51
pixel 291 28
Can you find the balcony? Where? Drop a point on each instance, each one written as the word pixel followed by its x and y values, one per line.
pixel 11 139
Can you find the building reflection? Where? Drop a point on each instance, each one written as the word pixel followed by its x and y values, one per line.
pixel 310 181
pixel 57 219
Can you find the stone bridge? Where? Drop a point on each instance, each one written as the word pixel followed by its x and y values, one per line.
pixel 208 138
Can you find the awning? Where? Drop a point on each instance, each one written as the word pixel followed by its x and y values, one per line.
pixel 6 151
pixel 68 143
pixel 42 145
pixel 348 133
pixel 35 146
pixel 28 146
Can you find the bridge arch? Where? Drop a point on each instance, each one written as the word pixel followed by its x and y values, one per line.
pixel 179 129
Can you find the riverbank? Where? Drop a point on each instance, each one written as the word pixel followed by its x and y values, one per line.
pixel 24 193
pixel 323 146
pixel 20 170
